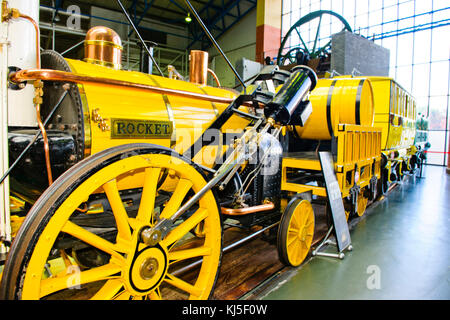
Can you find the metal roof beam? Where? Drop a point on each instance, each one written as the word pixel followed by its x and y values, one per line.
pixel 220 18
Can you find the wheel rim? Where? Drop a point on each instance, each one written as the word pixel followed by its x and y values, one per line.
pixel 134 270
pixel 300 233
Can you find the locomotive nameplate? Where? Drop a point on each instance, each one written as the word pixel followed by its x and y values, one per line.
pixel 141 129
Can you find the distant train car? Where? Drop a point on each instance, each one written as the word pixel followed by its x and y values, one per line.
pixel 404 137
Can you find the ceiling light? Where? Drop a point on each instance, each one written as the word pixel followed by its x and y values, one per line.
pixel 188 18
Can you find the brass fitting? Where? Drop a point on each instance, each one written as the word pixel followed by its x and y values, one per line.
pixel 7 13
pixel 38 91
pixel 271 121
pixel 101 122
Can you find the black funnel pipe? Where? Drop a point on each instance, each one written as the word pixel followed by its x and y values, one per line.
pixel 302 80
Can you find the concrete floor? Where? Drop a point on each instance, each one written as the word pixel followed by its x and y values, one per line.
pixel 401 250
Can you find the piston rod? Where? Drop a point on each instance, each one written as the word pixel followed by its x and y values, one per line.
pixel 151 236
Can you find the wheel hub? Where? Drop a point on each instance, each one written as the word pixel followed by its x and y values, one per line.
pixel 147 270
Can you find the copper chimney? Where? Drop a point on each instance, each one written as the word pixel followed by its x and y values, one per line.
pixel 198 67
pixel 103 46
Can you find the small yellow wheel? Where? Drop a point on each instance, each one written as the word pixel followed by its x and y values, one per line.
pixel 62 253
pixel 362 202
pixel 296 232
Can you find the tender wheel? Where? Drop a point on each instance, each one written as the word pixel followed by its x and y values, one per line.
pixel 362 200
pixel 383 184
pixel 42 263
pixel 296 232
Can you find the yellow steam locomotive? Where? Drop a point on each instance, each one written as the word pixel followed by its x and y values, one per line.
pixel 123 189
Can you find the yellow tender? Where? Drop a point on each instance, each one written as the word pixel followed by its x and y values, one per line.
pixel 343 111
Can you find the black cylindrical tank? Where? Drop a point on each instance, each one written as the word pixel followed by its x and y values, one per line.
pixel 288 98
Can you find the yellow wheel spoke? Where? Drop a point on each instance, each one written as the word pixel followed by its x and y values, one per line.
pixel 120 214
pixel 109 290
pixel 291 240
pixel 295 220
pixel 147 205
pixel 295 250
pixel 177 233
pixel 309 223
pixel 183 285
pixel 174 203
pixel 305 244
pixel 92 239
pixel 155 295
pixel 304 218
pixel 51 285
pixel 189 253
pixel 293 230
pixel 134 223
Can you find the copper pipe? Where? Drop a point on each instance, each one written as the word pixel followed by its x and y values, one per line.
pixel 46 146
pixel 55 75
pixel 214 76
pixel 38 44
pixel 37 105
pixel 243 211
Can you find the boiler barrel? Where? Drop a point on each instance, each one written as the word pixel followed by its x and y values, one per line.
pixel 95 116
pixel 335 101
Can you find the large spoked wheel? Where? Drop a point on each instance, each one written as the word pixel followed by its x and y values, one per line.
pixel 296 232
pixel 295 49
pixel 71 247
pixel 362 201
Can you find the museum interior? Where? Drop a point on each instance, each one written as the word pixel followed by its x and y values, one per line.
pixel 269 150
